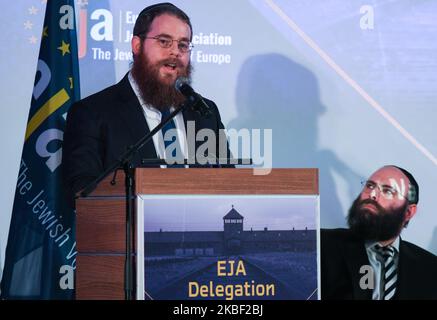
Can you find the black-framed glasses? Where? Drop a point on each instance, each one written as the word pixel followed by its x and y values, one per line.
pixel 165 42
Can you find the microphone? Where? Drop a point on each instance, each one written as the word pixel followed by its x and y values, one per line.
pixel 195 99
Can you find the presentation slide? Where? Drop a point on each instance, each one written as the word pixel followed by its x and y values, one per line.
pixel 343 86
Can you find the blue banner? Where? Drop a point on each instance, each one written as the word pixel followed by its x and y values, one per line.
pixel 41 250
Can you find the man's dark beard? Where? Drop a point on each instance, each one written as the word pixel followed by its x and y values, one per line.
pixel 159 95
pixel 382 225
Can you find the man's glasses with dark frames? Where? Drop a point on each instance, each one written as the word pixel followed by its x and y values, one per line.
pixel 166 42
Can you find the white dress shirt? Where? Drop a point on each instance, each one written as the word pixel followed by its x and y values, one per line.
pixel 153 118
pixel 378 268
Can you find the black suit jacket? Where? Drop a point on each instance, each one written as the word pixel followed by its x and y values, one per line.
pixel 342 255
pixel 101 127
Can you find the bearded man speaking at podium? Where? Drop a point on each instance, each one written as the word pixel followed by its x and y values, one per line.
pixel 102 126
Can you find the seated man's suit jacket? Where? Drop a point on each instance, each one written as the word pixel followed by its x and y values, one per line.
pixel 101 127
pixel 342 256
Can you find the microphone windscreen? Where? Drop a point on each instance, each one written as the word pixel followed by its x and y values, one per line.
pixel 180 82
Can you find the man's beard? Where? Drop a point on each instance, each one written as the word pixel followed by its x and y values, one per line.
pixel 381 225
pixel 155 93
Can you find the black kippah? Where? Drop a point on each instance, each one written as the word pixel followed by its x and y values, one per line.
pixel 149 9
pixel 413 192
pixel 157 5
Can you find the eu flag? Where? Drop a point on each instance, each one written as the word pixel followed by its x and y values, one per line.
pixel 41 249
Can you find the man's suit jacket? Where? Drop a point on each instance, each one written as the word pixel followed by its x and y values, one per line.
pixel 101 127
pixel 342 256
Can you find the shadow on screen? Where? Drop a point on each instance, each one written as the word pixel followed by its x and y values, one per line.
pixel 275 92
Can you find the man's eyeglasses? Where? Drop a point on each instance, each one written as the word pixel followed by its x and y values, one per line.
pixel 388 192
pixel 165 42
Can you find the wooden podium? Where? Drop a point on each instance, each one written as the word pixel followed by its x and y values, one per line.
pixel 101 216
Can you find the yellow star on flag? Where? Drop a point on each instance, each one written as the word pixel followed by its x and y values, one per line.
pixel 71 82
pixel 65 48
pixel 45 32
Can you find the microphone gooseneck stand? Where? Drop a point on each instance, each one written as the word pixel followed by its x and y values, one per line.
pixel 197 104
pixel 125 162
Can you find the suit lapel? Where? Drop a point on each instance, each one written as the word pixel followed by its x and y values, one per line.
pixel 194 120
pixel 406 265
pixel 200 123
pixel 131 113
pixel 356 258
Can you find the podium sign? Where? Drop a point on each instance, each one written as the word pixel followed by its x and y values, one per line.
pixel 231 244
pixel 227 247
